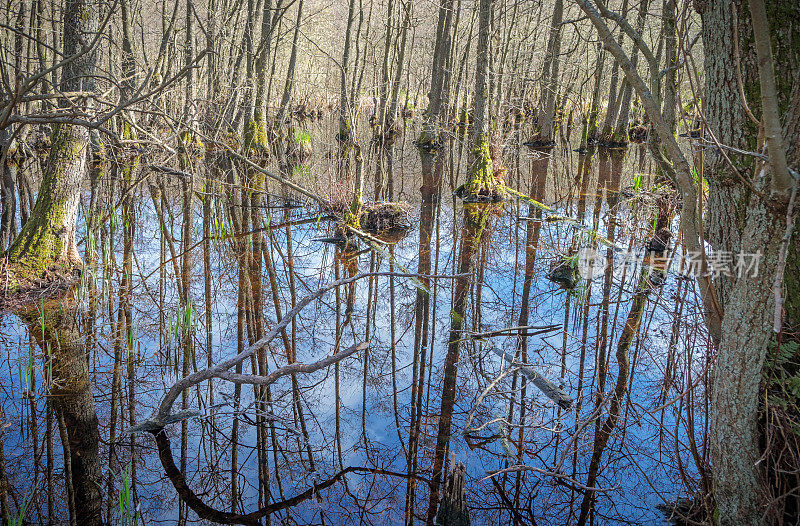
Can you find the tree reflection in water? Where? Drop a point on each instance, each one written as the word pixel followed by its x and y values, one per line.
pixel 374 435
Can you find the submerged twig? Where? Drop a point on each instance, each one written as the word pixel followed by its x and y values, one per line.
pixel 548 388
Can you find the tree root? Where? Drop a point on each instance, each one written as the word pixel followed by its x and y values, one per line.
pixel 18 289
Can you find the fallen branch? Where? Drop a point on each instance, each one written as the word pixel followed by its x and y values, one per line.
pixel 204 511
pixel 291 368
pixel 550 390
pixel 162 415
pixel 568 480
pixel 516 331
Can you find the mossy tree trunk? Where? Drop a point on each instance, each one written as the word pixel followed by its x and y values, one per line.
pixel 48 238
pixel 480 179
pixel 352 217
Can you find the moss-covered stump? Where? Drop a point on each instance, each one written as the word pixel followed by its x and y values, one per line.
pixel 345 136
pixel 385 138
pixel 256 140
pixel 483 184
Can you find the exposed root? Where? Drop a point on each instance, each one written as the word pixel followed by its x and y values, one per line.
pixel 683 512
pixel 386 218
pixel 298 153
pixel 310 109
pixel 429 144
pixel 485 194
pixel 564 273
pixel 386 138
pixel 18 289
pixel 388 222
pixel 612 142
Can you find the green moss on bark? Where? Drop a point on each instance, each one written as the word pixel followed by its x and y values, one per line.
pixel 47 238
pixel 255 135
pixel 481 180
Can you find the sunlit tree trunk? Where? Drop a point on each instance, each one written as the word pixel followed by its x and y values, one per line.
pixel 748 301
pixel 551 75
pixel 345 125
pixel 589 134
pixel 621 131
pixel 288 86
pixel 48 238
pixel 480 177
pixel 613 100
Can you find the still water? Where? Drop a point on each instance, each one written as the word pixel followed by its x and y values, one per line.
pixel 182 276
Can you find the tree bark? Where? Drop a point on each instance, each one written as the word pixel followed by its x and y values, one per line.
pixel 48 238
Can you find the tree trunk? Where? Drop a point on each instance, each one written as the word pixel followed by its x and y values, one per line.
pixel 551 70
pixel 288 86
pixel 621 131
pixel 480 179
pixel 48 238
pixel 613 99
pixel 747 300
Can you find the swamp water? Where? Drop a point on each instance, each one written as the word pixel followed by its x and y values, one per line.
pixel 165 297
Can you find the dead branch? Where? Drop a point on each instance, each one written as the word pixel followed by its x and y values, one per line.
pixel 568 480
pixel 204 511
pixel 163 416
pixel 550 390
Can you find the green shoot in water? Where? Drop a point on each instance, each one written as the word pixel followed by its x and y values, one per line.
pixel 637 182
pixel 128 515
pixel 19 518
pixel 25 365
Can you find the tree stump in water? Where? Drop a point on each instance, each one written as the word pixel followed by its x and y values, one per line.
pixel 453 509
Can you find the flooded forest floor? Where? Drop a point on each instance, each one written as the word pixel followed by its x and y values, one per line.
pixel 466 318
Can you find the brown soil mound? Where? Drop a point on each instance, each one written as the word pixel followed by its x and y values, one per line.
pixel 386 218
